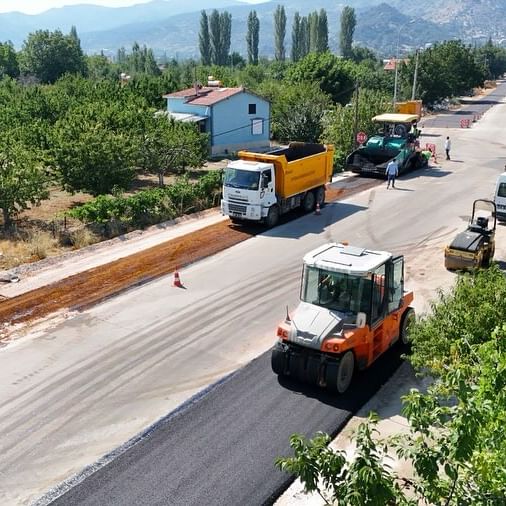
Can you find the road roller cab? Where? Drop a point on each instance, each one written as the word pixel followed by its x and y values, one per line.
pixel 353 308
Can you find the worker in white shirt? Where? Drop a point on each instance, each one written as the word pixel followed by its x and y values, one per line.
pixel 448 146
pixel 392 171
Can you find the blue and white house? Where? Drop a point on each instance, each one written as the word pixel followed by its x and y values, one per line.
pixel 234 118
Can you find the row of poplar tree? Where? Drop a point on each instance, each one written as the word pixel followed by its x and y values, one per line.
pixel 310 34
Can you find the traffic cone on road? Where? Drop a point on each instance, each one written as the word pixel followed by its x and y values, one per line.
pixel 317 210
pixel 177 282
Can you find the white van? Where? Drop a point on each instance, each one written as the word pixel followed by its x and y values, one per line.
pixel 500 197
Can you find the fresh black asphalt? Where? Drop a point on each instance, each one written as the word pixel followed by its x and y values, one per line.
pixel 220 449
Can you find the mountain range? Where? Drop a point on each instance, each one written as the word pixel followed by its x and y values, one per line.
pixel 171 26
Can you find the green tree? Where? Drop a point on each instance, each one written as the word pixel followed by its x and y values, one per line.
pixel 171 146
pixel 445 70
pixel 23 179
pixel 296 42
pixel 334 75
pixel 313 26
pixel 348 23
pixel 9 65
pixel 297 110
pixel 73 34
pixel 363 54
pixel 279 33
pixel 48 55
pixel 304 36
pixel 215 37
pixel 99 67
pixel 225 36
pixel 90 155
pixel 204 41
pixel 252 37
pixel 493 58
pixel 322 43
pixel 152 88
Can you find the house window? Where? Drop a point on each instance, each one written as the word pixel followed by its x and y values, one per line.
pixel 257 126
pixel 252 109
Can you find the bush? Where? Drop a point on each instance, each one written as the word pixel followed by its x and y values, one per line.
pixel 82 237
pixel 154 205
pixel 40 243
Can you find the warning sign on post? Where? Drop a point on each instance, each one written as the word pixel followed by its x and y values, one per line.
pixel 361 137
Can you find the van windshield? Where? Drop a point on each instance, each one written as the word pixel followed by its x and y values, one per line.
pixel 501 191
pixel 238 178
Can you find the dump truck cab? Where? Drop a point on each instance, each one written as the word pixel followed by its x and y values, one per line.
pixel 353 308
pixel 394 140
pixel 248 189
pixel 474 247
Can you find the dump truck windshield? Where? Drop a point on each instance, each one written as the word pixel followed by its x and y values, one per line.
pixel 244 179
pixel 337 291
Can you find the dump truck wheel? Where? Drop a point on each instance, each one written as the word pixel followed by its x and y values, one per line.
pixel 407 320
pixel 340 374
pixel 273 217
pixel 278 360
pixel 309 202
pixel 320 196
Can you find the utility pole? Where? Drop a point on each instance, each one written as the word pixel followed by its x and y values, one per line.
pixel 415 76
pixel 355 123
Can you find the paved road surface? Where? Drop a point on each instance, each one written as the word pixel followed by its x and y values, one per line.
pixel 221 450
pixel 80 388
pixel 471 109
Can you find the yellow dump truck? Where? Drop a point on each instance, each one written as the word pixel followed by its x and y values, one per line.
pixel 409 107
pixel 263 186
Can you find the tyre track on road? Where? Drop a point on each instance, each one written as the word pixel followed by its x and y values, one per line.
pixel 86 387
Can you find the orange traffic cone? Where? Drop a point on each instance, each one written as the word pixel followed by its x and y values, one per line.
pixel 177 281
pixel 317 210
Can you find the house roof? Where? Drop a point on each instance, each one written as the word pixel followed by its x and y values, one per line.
pixel 207 95
pixel 391 64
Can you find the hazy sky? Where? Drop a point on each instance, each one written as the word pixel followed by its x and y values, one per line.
pixel 37 6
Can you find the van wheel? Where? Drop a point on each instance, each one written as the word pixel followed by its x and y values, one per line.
pixel 309 202
pixel 407 320
pixel 272 217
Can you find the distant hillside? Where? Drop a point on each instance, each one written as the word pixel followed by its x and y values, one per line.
pixel 473 18
pixel 382 26
pixel 377 28
pixel 15 26
pixel 171 26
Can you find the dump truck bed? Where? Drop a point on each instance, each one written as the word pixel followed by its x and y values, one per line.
pixel 299 167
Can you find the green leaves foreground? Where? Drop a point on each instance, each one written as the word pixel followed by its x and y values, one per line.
pixel 456 441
